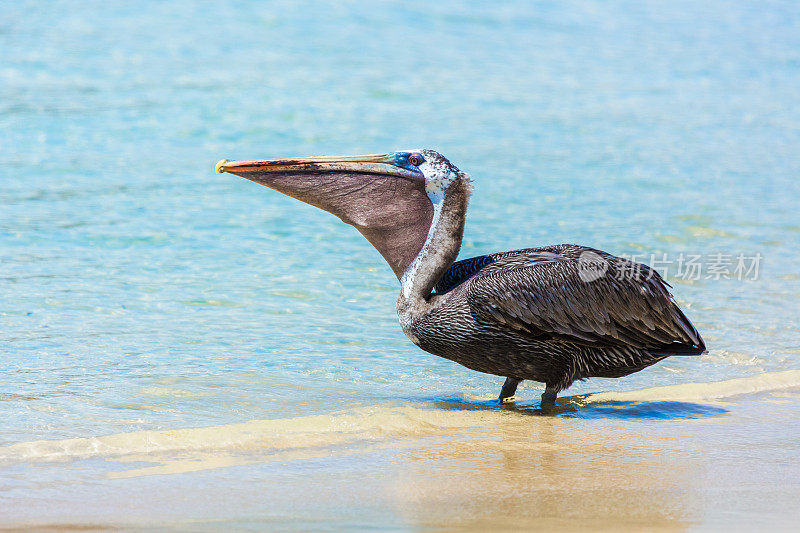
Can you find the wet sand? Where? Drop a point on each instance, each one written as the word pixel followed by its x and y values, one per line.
pixel 693 456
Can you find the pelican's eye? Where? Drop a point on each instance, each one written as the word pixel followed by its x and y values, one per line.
pixel 415 159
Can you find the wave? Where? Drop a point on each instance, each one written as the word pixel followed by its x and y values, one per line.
pixel 699 392
pixel 366 425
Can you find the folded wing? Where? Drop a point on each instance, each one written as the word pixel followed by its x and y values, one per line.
pixel 582 295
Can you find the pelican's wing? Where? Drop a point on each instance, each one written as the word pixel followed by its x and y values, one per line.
pixel 604 300
pixel 460 271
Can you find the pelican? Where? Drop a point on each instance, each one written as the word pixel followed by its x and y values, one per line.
pixel 553 314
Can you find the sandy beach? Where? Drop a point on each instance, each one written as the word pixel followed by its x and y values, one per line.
pixel 689 457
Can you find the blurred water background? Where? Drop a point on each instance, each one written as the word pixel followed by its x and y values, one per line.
pixel 141 291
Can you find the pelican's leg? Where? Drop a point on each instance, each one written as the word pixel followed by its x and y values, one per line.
pixel 549 396
pixel 508 390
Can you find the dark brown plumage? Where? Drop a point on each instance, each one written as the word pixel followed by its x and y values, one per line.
pixel 537 314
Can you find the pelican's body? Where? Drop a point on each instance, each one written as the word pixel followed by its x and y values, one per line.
pixel 553 314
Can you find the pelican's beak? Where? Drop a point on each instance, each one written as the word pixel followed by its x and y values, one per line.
pixel 359 164
pixel 386 202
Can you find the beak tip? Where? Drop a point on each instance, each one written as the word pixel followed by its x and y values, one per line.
pixel 220 166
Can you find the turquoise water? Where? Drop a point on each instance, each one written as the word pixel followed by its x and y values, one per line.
pixel 142 291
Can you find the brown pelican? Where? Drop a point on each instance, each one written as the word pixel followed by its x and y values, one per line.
pixel 553 314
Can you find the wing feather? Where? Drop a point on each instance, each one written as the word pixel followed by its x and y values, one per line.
pixel 548 294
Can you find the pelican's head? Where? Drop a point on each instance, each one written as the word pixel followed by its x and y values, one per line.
pixel 389 198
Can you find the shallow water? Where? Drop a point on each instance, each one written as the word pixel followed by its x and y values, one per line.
pixel 195 347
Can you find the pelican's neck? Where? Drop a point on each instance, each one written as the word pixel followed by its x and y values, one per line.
pixel 440 249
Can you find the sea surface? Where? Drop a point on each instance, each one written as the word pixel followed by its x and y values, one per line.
pixel 188 350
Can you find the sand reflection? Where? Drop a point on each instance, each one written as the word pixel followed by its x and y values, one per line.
pixel 549 472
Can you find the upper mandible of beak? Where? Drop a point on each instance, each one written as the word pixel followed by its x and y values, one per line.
pixel 364 164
